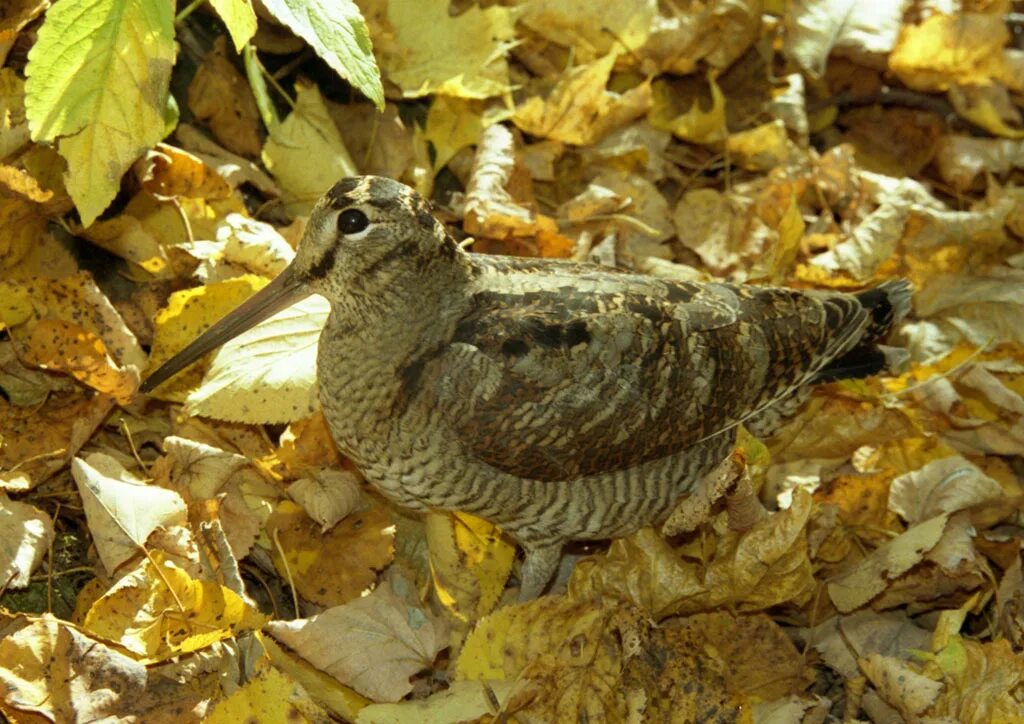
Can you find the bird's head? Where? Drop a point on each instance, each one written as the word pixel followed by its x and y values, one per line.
pixel 364 236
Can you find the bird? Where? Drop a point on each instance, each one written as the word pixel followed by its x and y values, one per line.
pixel 559 400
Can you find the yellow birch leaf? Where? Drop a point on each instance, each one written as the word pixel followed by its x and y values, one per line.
pixel 461 56
pixel 470 563
pixel 162 612
pixel 269 696
pixel 187 315
pixel 65 347
pixel 965 48
pixel 305 153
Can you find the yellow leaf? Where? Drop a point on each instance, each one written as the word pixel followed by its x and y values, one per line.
pixel 452 124
pixel 159 611
pixel 334 567
pixel 965 48
pixel 470 563
pixel 305 153
pixel 13 126
pixel 580 109
pixel 461 56
pixel 187 315
pixel 689 122
pixel 65 347
pixel 269 696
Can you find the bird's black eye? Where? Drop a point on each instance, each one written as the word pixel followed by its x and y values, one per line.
pixel 352 221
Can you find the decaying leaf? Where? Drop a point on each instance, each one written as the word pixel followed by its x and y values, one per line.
pixel 25 536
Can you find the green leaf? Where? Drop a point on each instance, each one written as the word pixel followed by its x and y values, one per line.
pixel 97 80
pixel 335 29
pixel 305 152
pixel 240 18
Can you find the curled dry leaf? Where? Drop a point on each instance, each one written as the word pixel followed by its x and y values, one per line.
pixel 327 495
pixel 220 96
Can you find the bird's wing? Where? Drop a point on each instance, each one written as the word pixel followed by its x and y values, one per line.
pixel 558 383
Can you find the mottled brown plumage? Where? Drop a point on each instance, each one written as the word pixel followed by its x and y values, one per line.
pixel 559 400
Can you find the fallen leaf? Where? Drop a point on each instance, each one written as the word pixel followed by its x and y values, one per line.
pixel 461 56
pixel 333 567
pixel 158 611
pixel 219 96
pixel 580 109
pixel 327 496
pixel 461 701
pixel 373 644
pixel 942 486
pixel 269 695
pixel 305 153
pixel 25 537
pixel 121 509
pixel 54 672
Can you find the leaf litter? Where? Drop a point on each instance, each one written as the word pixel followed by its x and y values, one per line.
pixel 220 555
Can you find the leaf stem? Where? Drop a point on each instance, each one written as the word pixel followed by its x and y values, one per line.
pixel 187 10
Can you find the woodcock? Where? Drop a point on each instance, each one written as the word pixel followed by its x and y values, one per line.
pixel 559 400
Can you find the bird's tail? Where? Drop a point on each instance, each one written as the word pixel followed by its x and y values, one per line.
pixel 887 304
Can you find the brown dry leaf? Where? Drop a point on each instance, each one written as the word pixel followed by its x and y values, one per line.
pixel 761 660
pixel 384 145
pixel 167 171
pixel 159 611
pixel 749 571
pixel 232 168
pixel 580 109
pixel 307 443
pixel 25 537
pixel 54 672
pixel 334 567
pixel 36 442
pixel 61 346
pixel 373 644
pixel 221 97
pixel 122 511
pixel 490 207
pixel 885 564
pixel 22 228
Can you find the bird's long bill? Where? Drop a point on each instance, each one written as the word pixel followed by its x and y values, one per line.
pixel 281 293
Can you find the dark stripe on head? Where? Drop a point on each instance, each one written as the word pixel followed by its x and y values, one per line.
pixel 324 264
pixel 340 194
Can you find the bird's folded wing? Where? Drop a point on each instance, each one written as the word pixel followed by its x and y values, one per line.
pixel 564 385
